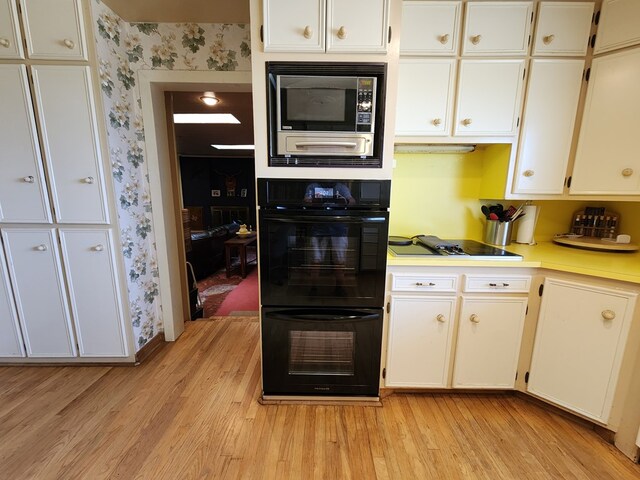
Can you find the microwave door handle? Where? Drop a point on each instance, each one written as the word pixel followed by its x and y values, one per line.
pixel 326 144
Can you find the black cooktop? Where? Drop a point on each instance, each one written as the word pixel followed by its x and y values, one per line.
pixel 469 250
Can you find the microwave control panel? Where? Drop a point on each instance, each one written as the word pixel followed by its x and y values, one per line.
pixel 365 106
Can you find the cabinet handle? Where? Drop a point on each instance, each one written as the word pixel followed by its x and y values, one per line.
pixel 342 33
pixel 608 314
pixel 528 173
pixel 436 122
pixel 505 284
pixel 98 248
pixel 547 39
pixel 441 318
pixel 68 43
pixel 29 179
pixel 474 318
pixel 466 122
pixel 88 180
pixel 493 284
pixel 476 39
pixel 5 42
pixel 308 32
pixel 444 39
pixel 430 284
pixel 41 248
pixel 627 172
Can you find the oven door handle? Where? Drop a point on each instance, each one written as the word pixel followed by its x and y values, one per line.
pixel 323 317
pixel 324 218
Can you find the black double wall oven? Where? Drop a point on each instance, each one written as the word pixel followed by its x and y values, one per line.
pixel 322 264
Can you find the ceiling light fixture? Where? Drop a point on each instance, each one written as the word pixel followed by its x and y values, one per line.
pixel 209 99
pixel 204 118
pixel 234 147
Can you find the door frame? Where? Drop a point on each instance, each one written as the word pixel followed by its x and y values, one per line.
pixel 163 184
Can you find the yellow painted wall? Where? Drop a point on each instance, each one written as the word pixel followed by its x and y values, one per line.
pixel 440 194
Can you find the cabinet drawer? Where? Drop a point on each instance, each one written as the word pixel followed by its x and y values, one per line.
pixel 491 283
pixel 424 283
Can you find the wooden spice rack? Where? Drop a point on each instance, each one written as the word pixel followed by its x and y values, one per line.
pixel 595 222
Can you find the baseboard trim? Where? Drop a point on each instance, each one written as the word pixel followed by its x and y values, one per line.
pixel 152 346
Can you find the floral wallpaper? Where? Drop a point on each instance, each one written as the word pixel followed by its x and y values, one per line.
pixel 123 49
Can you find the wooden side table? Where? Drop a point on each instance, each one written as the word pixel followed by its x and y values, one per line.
pixel 240 242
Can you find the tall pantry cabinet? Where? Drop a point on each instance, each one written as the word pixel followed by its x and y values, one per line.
pixel 61 283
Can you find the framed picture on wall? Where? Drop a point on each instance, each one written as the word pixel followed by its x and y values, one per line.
pixel 215 193
pixel 243 192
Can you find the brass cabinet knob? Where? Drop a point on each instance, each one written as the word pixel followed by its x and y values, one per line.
pixel 342 33
pixel 308 32
pixel 476 39
pixel 547 39
pixel 474 318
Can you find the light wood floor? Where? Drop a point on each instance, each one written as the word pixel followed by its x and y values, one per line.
pixel 191 412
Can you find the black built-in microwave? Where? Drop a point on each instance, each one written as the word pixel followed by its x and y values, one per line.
pixel 326 114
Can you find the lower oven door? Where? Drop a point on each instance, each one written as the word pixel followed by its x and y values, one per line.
pixel 321 351
pixel 323 259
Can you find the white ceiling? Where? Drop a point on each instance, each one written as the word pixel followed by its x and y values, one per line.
pixel 172 11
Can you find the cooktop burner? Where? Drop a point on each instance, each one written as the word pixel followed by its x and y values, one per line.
pixel 469 250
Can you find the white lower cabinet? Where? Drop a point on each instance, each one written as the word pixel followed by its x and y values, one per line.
pixel 420 332
pixel 94 292
pixel 10 339
pixel 41 302
pixel 580 338
pixel 62 312
pixel 488 346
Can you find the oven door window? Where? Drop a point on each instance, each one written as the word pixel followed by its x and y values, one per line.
pixel 321 353
pixel 323 260
pixel 317 104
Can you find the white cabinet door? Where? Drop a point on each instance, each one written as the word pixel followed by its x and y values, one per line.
pixel 71 149
pixel 10 336
pixel 619 25
pixel 489 93
pixel 580 338
pixel 54 29
pixel 23 195
pixel 294 26
pixel 497 28
pixel 430 28
pixel 36 276
pixel 10 39
pixel 548 125
pixel 489 337
pixel 419 344
pixel 563 28
pixel 94 292
pixel 425 96
pixel 358 26
pixel 607 160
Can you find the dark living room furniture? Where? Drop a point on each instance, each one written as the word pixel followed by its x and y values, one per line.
pixel 240 243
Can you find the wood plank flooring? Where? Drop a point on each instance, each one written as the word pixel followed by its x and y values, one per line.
pixel 191 412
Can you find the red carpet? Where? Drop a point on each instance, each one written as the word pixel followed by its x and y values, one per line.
pixel 243 298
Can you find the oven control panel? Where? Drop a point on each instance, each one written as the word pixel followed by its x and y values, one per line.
pixel 365 104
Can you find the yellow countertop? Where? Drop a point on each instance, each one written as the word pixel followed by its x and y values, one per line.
pixel 610 265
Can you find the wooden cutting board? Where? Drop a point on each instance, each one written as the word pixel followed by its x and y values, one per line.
pixel 596 243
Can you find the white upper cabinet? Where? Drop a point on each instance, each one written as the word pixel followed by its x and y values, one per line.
pixel 581 334
pixel 294 26
pixel 71 149
pixel 430 28
pixel 548 124
pixel 89 262
pixel 425 96
pixel 348 26
pixel 36 276
pixel 563 28
pixel 619 25
pixel 23 194
pixel 607 160
pixel 11 338
pixel 357 26
pixel 54 29
pixel 489 336
pixel 497 28
pixel 489 94
pixel 10 39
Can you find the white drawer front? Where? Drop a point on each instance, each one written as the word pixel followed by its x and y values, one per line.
pixel 502 283
pixel 424 283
